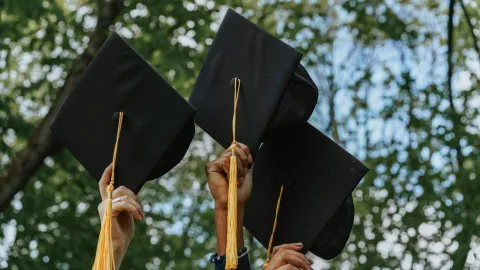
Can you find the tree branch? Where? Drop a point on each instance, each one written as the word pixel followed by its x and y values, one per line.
pixel 332 125
pixel 43 144
pixel 455 115
pixel 467 17
pixel 450 53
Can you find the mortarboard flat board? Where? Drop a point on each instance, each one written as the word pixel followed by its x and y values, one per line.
pixel 276 91
pixel 316 207
pixel 158 122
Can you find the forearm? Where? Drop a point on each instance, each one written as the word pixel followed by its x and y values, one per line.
pixel 221 215
pixel 118 256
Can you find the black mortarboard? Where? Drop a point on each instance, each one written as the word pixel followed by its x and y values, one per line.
pixel 276 91
pixel 157 126
pixel 316 207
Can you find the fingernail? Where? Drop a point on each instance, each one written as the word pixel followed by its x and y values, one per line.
pixel 298 244
pixel 250 158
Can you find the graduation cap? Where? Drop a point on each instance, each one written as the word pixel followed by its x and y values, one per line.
pixel 303 183
pixel 275 90
pixel 157 126
pixel 250 87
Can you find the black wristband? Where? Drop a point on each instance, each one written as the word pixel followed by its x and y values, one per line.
pixel 215 258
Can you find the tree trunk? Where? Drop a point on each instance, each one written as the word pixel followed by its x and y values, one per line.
pixel 43 144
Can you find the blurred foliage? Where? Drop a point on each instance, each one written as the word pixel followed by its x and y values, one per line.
pixel 381 69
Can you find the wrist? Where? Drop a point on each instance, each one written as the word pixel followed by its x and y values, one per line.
pixel 223 211
pixel 223 207
pixel 119 251
pixel 221 218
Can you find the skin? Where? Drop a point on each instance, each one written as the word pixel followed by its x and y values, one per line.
pixel 128 210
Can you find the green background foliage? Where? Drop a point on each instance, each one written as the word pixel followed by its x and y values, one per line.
pixel 381 68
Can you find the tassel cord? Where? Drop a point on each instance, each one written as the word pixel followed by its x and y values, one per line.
pixel 267 261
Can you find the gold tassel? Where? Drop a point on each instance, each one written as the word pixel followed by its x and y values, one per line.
pixel 104 258
pixel 267 261
pixel 232 252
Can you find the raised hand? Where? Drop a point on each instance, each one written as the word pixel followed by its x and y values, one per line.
pixel 125 210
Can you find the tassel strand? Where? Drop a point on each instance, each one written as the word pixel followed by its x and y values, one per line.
pixel 267 261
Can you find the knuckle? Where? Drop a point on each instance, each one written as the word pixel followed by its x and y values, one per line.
pixel 131 194
pixel 208 165
pixel 126 207
pixel 100 207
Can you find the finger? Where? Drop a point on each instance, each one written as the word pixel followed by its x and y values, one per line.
pixel 287 267
pixel 123 191
pixel 227 151
pixel 104 181
pixel 239 152
pixel 288 256
pixel 240 169
pixel 295 258
pixel 217 165
pixel 133 202
pixel 124 206
pixel 226 167
pixel 247 152
pixel 240 181
pixel 246 174
pixel 292 246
